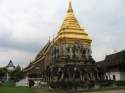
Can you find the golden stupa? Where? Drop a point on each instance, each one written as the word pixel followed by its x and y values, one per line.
pixel 72 43
pixel 71 30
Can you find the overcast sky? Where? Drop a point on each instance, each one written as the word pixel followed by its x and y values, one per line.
pixel 25 26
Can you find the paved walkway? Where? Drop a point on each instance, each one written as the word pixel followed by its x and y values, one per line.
pixel 110 91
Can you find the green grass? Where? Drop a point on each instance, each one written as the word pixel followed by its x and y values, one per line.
pixel 16 90
pixel 12 89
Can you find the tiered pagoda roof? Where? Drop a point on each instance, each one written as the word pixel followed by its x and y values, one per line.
pixel 71 29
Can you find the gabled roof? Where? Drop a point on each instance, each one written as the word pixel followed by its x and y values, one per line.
pixel 44 49
pixel 10 64
pixel 113 59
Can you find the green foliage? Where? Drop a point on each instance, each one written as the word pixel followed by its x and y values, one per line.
pixel 91 60
pixel 71 84
pixel 17 74
pixel 120 83
pixel 1 84
pixel 106 83
pixel 9 83
pixel 3 72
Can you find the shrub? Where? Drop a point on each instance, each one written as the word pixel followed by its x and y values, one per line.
pixel 106 83
pixel 1 84
pixel 9 83
pixel 70 84
pixel 120 83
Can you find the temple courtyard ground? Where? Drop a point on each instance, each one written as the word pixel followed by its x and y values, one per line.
pixel 109 91
pixel 28 90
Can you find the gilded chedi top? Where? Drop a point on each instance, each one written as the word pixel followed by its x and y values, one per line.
pixel 71 29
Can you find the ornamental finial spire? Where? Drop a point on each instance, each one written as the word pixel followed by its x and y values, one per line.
pixel 70 7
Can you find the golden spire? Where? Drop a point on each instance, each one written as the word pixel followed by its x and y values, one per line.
pixel 70 21
pixel 71 29
pixel 70 7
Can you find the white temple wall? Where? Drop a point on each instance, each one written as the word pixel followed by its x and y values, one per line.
pixel 10 68
pixel 122 76
pixel 110 75
pixel 118 75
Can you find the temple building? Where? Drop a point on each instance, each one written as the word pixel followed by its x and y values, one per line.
pixel 114 66
pixel 67 56
pixel 10 66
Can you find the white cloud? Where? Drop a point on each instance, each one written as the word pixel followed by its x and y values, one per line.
pixel 17 56
pixel 25 26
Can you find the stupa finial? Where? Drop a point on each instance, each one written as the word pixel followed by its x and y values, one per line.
pixel 70 7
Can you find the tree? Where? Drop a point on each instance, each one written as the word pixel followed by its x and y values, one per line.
pixel 3 72
pixel 17 74
pixel 91 60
